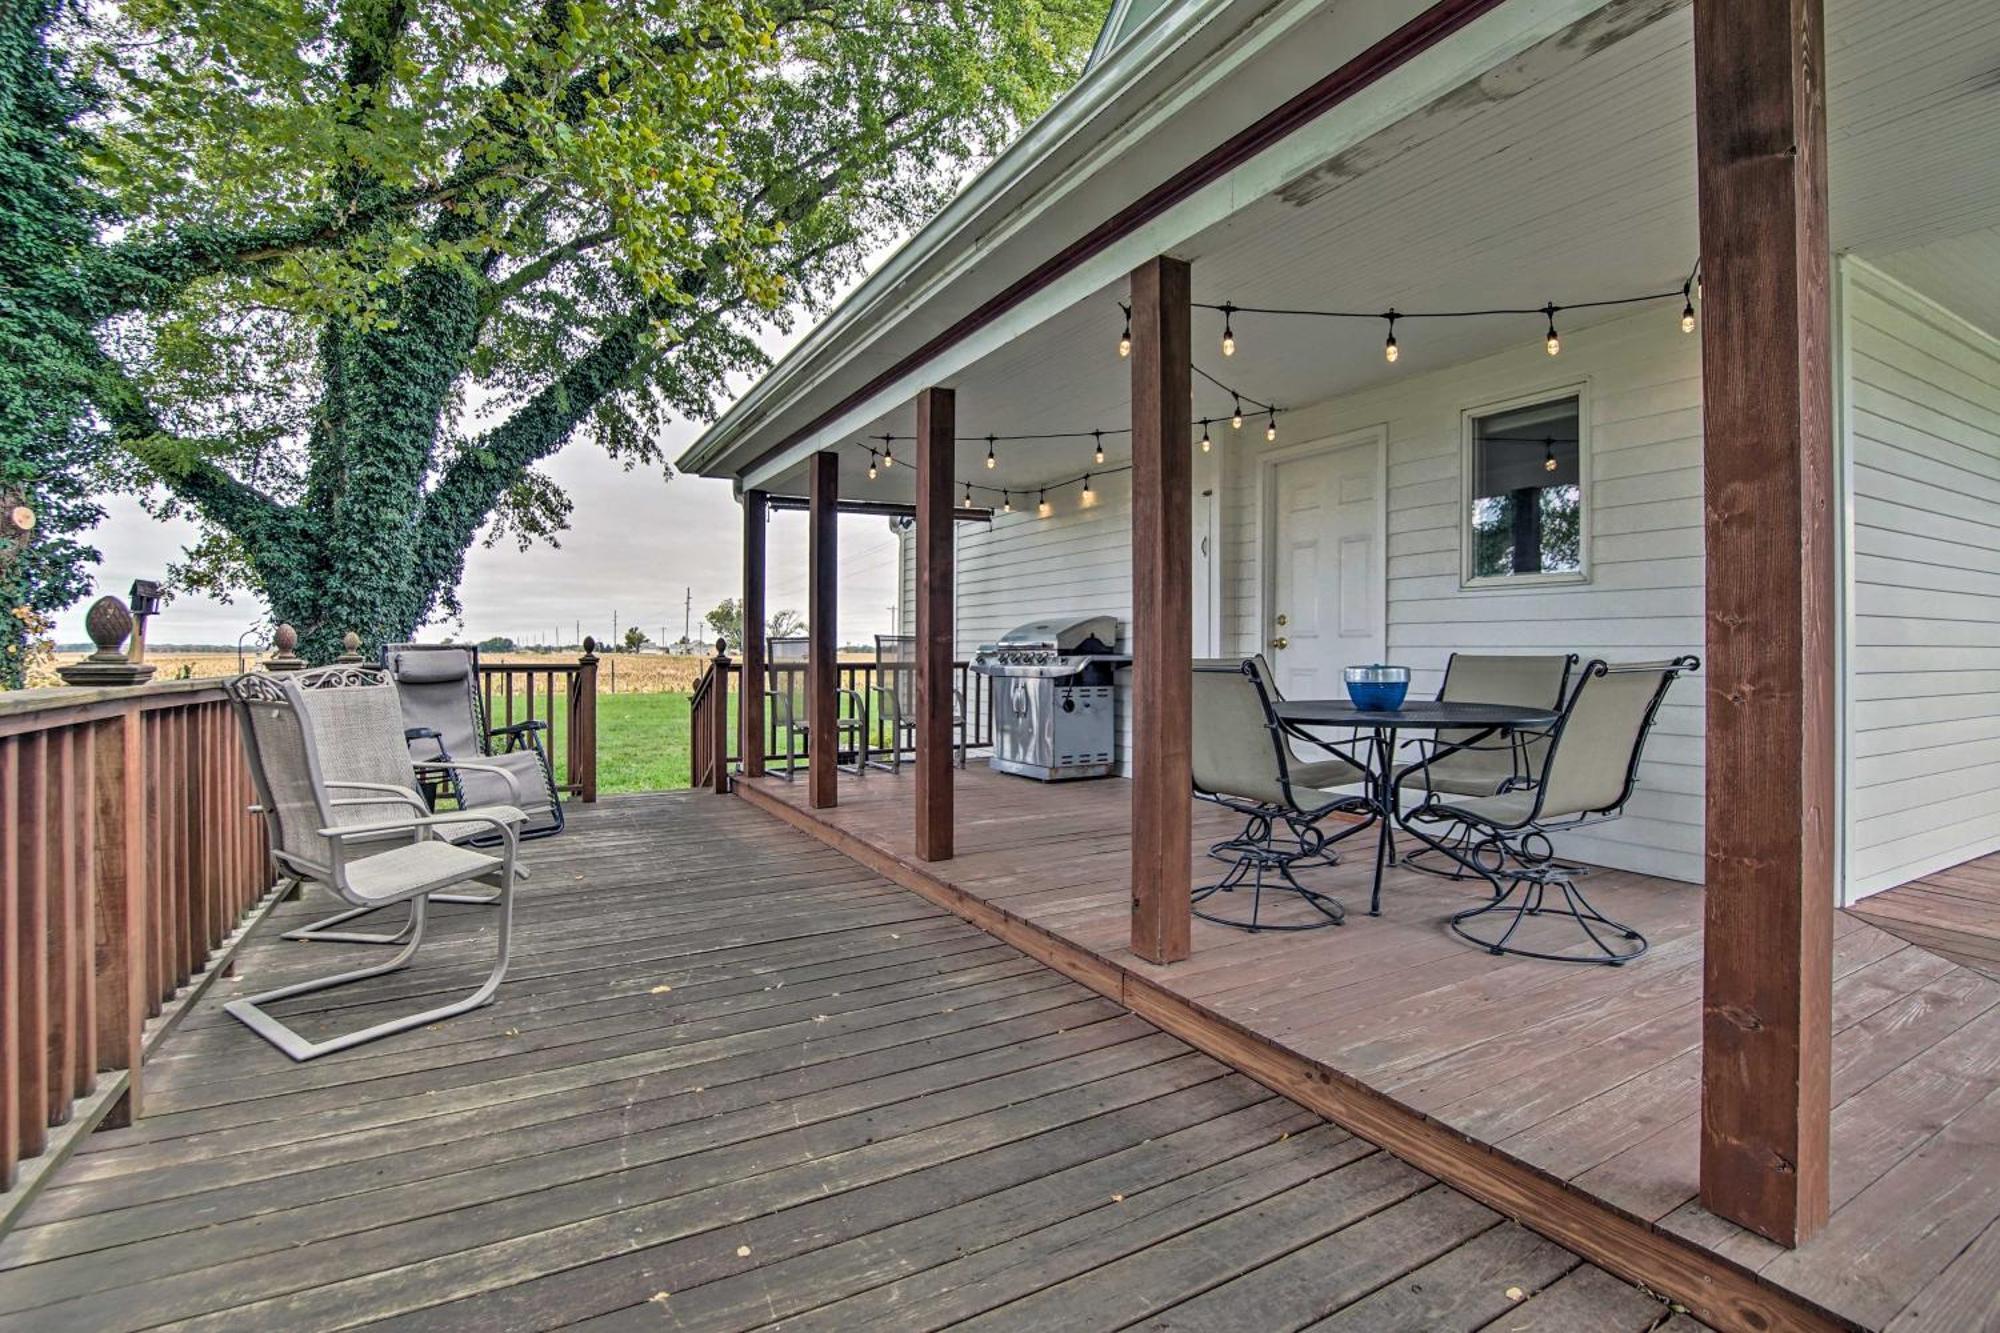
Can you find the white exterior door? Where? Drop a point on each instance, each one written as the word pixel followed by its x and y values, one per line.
pixel 1324 611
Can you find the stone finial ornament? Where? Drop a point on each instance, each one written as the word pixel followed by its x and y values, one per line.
pixel 109 624
pixel 350 649
pixel 285 640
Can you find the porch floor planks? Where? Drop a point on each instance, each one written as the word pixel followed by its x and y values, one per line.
pixel 903 1121
pixel 1591 1075
pixel 1954 911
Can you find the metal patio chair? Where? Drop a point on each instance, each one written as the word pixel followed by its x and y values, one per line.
pixel 1243 762
pixel 894 690
pixel 785 664
pixel 1588 772
pixel 357 723
pixel 445 719
pixel 1458 762
pixel 394 858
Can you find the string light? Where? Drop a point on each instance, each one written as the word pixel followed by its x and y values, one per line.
pixel 1389 349
pixel 888 460
pixel 1271 427
pixel 1687 310
pixel 1089 496
pixel 968 495
pixel 1206 443
pixel 991 461
pixel 1548 455
pixel 1236 416
pixel 1228 330
pixel 871 465
pixel 1125 338
pixel 1554 342
pixel 1042 509
pixel 1006 502
pixel 1098 435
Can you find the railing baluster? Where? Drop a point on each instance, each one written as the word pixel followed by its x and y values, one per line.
pixel 31 975
pixel 10 952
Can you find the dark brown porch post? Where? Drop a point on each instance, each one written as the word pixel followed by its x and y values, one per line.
pixel 1767 410
pixel 750 704
pixel 936 429
pixel 1162 611
pixel 822 670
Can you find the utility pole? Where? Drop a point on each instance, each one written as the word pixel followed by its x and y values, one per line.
pixel 687 619
pixel 614 625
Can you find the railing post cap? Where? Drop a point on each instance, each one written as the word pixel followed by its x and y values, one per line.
pixel 286 640
pixel 109 623
pixel 350 648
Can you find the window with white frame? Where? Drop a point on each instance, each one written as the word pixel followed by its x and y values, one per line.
pixel 1525 492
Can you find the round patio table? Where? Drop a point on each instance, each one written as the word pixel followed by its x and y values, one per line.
pixel 1310 715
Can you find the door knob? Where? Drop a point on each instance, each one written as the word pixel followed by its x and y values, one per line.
pixel 1281 642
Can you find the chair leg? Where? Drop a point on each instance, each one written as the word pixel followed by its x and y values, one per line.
pixel 1255 854
pixel 1532 889
pixel 250 1010
pixel 322 931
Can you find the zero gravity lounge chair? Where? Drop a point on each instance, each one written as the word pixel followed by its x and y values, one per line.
pixel 446 721
pixel 400 857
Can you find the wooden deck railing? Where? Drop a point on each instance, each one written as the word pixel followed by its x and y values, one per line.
pixel 562 694
pixel 128 854
pixel 708 753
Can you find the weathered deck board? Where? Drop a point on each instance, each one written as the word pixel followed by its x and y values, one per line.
pixel 1954 912
pixel 735 1080
pixel 1588 1076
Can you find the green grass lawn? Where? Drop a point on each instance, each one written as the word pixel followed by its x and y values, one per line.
pixel 642 742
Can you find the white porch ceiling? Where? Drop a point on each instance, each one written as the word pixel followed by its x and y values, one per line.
pixel 1553 178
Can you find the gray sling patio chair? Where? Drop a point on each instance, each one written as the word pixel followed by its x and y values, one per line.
pixel 399 857
pixel 1588 772
pixel 357 724
pixel 445 718
pixel 1243 762
pixel 1457 762
pixel 785 664
pixel 894 690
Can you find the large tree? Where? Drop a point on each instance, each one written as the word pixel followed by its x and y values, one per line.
pixel 47 453
pixel 386 256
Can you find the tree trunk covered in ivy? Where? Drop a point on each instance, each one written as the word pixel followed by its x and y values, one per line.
pixel 370 289
pixel 46 454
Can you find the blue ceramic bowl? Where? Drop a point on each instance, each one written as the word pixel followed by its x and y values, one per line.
pixel 1377 688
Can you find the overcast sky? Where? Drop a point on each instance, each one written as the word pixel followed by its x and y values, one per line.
pixel 639 544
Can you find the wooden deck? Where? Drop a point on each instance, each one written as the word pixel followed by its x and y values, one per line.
pixel 1954 912
pixel 736 1080
pixel 1564 1095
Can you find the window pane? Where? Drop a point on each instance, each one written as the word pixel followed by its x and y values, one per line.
pixel 1527 496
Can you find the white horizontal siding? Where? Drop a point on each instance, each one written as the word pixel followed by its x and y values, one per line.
pixel 1644 596
pixel 1922 405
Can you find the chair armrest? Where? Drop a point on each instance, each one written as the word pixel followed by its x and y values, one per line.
pixel 419 734
pixel 501 817
pixel 516 728
pixel 474 766
pixel 403 794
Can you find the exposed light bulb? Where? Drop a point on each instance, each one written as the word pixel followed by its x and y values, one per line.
pixel 1228 332
pixel 1687 317
pixel 871 465
pixel 888 459
pixel 1548 455
pixel 1098 435
pixel 1236 417
pixel 991 461
pixel 1089 496
pixel 1125 338
pixel 1555 342
pixel 968 495
pixel 1271 428
pixel 1042 509
pixel 1389 349
pixel 1206 443
pixel 1006 503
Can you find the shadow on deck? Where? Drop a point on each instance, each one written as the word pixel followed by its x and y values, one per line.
pixel 736 1079
pixel 1567 1096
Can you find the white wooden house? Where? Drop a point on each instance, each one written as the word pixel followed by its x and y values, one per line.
pixel 1829 545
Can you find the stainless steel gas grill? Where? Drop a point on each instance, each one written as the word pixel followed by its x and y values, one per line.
pixel 1053 709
